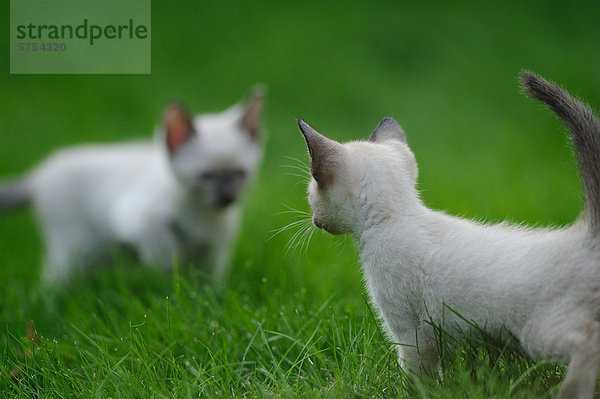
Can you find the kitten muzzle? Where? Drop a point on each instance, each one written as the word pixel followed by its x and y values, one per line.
pixel 317 223
pixel 226 195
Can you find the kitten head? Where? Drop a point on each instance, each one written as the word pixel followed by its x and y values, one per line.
pixel 357 184
pixel 214 156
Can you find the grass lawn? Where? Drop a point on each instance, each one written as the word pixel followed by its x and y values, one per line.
pixel 293 319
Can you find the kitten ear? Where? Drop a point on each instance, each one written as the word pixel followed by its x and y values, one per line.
pixel 178 126
pixel 323 154
pixel 388 129
pixel 250 121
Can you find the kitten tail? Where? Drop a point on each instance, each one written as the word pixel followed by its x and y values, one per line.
pixel 584 130
pixel 14 194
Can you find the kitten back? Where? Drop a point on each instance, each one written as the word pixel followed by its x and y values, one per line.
pixel 584 130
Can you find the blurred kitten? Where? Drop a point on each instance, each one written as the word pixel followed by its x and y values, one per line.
pixel 540 285
pixel 172 200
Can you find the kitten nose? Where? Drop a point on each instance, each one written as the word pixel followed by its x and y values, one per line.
pixel 225 195
pixel 316 222
pixel 225 200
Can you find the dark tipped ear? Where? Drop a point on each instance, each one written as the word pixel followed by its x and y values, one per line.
pixel 388 129
pixel 324 153
pixel 250 121
pixel 178 126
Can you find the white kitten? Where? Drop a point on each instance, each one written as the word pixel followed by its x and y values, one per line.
pixel 540 285
pixel 174 199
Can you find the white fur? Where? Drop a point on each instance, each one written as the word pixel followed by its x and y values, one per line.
pixel 541 285
pixel 92 199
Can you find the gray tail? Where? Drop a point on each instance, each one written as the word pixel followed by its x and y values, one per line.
pixel 14 194
pixel 585 134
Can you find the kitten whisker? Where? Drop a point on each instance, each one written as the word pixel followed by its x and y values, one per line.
pixel 305 175
pixel 305 178
pixel 306 240
pixel 296 239
pixel 298 161
pixel 300 168
pixel 304 248
pixel 301 238
pixel 298 182
pixel 286 227
pixel 298 213
pixel 293 210
pixel 291 242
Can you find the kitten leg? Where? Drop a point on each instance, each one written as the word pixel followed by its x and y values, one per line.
pixel 65 257
pixel 221 257
pixel 153 238
pixel 584 367
pixel 158 250
pixel 567 335
pixel 59 258
pixel 418 352
pixel 55 269
pixel 222 244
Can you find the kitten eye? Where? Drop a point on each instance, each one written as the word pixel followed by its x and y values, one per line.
pixel 239 173
pixel 207 176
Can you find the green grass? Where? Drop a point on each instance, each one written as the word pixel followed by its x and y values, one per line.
pixel 295 323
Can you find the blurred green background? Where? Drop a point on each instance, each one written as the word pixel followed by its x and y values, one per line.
pixel 447 71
